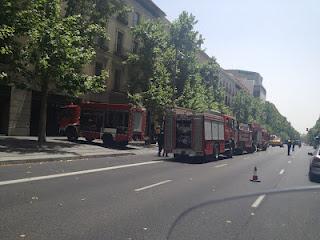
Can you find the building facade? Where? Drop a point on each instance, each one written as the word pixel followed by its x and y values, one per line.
pixel 252 80
pixel 113 52
pixel 19 108
pixel 232 85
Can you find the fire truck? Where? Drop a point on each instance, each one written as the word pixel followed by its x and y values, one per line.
pixel 206 135
pixel 114 124
pixel 260 137
pixel 243 136
pixel 275 141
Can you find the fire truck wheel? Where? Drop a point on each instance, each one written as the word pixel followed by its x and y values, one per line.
pixel 107 140
pixel 230 153
pixel 71 134
pixel 123 144
pixel 239 151
pixel 253 148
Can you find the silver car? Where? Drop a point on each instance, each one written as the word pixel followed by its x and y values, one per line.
pixel 314 170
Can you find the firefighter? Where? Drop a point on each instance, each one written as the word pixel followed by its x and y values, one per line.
pixel 293 145
pixel 289 146
pixel 160 139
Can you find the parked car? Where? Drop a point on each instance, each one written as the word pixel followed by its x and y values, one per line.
pixel 297 142
pixel 314 170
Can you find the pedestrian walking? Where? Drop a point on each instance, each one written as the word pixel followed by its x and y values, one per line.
pixel 289 146
pixel 293 145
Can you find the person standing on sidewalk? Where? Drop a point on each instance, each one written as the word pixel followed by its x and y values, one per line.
pixel 289 146
pixel 160 139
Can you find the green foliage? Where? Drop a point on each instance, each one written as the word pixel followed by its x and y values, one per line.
pixel 186 43
pixel 249 109
pixel 194 95
pixel 241 107
pixel 56 46
pixel 151 82
pixel 8 28
pixel 313 133
pixel 166 71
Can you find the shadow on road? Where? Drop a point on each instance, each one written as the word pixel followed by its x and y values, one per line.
pixel 55 146
pixel 23 146
pixel 192 160
pixel 99 144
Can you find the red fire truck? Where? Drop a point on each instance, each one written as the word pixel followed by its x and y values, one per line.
pixel 260 137
pixel 198 134
pixel 265 139
pixel 113 123
pixel 243 137
pixel 69 121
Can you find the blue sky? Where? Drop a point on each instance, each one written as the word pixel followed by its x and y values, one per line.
pixel 280 39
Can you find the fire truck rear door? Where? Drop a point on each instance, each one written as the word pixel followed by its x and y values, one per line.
pixel 169 130
pixel 197 133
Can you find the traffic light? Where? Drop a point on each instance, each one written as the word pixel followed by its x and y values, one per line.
pixel 307 129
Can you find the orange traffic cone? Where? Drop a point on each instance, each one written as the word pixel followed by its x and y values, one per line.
pixel 255 175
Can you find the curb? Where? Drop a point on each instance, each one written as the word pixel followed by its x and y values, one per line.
pixel 37 160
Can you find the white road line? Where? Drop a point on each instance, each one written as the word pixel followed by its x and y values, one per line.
pixel 289 161
pixel 258 201
pixel 32 179
pixel 151 186
pixel 281 172
pixel 221 165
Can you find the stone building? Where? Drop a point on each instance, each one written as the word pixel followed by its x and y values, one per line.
pixel 252 80
pixel 232 85
pixel 19 108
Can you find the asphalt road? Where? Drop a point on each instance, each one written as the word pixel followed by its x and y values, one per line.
pixel 148 198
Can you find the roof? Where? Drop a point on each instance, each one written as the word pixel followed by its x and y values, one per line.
pixel 152 7
pixel 235 79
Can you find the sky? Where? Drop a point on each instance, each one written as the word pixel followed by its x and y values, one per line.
pixel 280 39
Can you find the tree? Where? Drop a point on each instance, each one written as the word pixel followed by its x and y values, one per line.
pixel 58 46
pixel 241 107
pixel 150 84
pixel 186 43
pixel 165 72
pixel 8 28
pixel 209 73
pixel 313 133
pixel 194 95
pixel 248 109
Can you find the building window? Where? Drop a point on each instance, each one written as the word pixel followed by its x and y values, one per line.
pixel 123 18
pixel 117 80
pixel 98 68
pixel 135 46
pixel 102 43
pixel 119 43
pixel 136 19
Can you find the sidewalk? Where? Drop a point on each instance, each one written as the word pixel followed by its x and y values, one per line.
pixel 14 150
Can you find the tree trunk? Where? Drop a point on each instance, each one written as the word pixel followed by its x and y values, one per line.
pixel 43 114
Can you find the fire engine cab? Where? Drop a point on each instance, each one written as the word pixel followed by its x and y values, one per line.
pixel 112 123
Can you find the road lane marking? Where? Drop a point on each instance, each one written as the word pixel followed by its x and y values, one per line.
pixel 32 179
pixel 221 165
pixel 281 172
pixel 289 161
pixel 152 185
pixel 258 201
